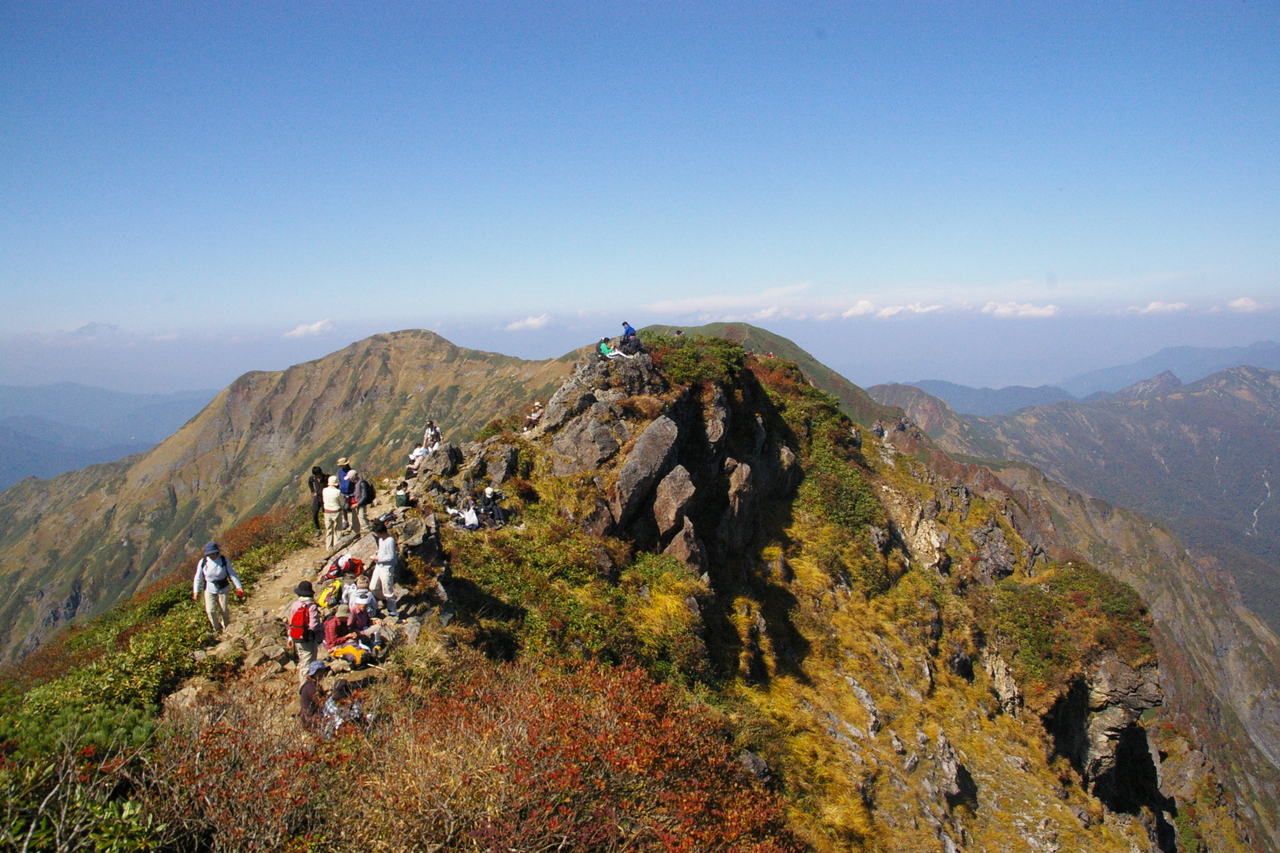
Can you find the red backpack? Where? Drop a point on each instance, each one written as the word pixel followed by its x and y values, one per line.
pixel 300 625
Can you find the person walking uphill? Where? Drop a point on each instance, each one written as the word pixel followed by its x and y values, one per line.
pixel 305 628
pixel 215 574
pixel 382 585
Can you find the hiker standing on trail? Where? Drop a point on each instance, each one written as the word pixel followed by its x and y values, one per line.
pixel 215 574
pixel 305 628
pixel 344 486
pixel 315 487
pixel 382 585
pixel 362 495
pixel 332 505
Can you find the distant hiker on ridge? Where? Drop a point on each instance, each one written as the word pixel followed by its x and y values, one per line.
pixel 215 574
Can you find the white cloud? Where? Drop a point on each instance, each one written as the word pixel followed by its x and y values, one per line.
pixel 310 331
pixel 717 303
pixel 1245 304
pixel 862 306
pixel 1019 309
pixel 1160 308
pixel 913 308
pixel 529 323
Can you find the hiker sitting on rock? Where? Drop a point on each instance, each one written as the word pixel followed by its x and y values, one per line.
pixel 531 419
pixel 608 352
pixel 215 574
pixel 489 507
pixel 416 456
pixel 337 628
pixel 403 498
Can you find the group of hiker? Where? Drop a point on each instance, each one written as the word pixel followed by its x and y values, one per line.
pixel 342 500
pixel 628 347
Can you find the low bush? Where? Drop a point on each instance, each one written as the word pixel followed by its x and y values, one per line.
pixel 689 360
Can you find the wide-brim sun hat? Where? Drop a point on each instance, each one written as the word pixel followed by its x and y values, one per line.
pixel 333 481
pixel 342 460
pixel 316 666
pixel 305 589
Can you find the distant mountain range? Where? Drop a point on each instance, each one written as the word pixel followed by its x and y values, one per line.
pixel 46 430
pixel 1183 364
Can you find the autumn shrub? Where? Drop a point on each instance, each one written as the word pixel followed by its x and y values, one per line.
pixel 689 360
pixel 578 757
pixel 501 424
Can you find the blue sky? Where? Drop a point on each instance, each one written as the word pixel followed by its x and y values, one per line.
pixel 987 193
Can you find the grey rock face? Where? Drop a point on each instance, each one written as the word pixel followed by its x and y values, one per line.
pixel 650 459
pixel 737 525
pixel 995 557
pixel 589 440
pixel 672 497
pixel 687 548
pixel 443 463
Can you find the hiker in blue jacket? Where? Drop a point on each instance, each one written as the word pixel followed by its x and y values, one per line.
pixel 627 331
pixel 215 574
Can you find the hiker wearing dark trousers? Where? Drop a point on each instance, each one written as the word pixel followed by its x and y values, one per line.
pixel 315 486
pixel 361 500
pixel 215 574
pixel 382 585
pixel 311 694
pixel 305 628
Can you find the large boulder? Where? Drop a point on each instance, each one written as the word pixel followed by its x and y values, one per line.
pixel 687 548
pixel 737 525
pixel 650 459
pixel 443 463
pixel 589 440
pixel 672 497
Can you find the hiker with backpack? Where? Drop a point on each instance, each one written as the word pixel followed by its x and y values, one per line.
pixel 362 495
pixel 305 627
pixel 382 584
pixel 315 487
pixel 215 574
pixel 344 486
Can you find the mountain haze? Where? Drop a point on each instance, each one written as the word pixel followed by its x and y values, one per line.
pixel 1189 364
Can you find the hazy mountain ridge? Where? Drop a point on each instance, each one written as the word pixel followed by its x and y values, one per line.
pixel 991 401
pixel 112 528
pixel 1189 364
pixel 46 430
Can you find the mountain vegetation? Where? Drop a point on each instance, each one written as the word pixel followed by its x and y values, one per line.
pixel 728 617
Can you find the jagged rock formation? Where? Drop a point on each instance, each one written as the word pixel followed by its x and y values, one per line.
pixel 891 706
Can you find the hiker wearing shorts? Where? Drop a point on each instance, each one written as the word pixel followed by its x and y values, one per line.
pixel 382 585
pixel 215 574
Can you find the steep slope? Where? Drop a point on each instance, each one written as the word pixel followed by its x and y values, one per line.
pixel 1221 664
pixel 1198 457
pixel 75 544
